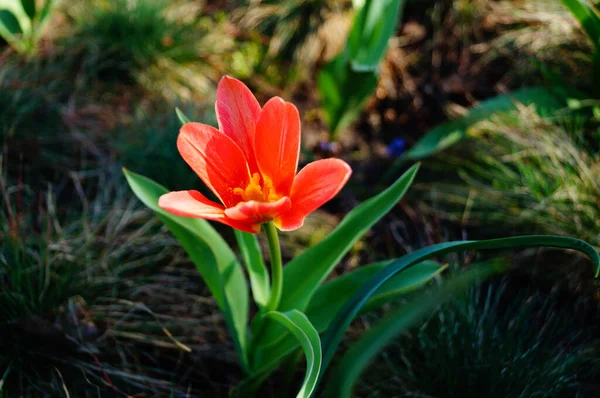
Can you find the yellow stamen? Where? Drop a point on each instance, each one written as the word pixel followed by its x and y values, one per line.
pixel 269 193
pixel 254 190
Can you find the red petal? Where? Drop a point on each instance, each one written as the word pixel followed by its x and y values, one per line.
pixel 237 113
pixel 314 185
pixel 277 143
pixel 217 160
pixel 195 205
pixel 255 212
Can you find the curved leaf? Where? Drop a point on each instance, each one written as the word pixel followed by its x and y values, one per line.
pixel 338 326
pixel 29 8
pixel 450 133
pixel 303 275
pixel 587 17
pixel 212 256
pixel 299 325
pixel 9 24
pixel 257 271
pixel 331 297
pixel 362 351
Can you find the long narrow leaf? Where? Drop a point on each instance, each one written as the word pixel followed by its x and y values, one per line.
pixel 29 8
pixel 343 91
pixel 304 274
pixel 331 297
pixel 362 352
pixel 255 265
pixel 183 119
pixel 299 325
pixel 450 133
pixel 212 256
pixel 44 17
pixel 373 26
pixel 338 326
pixel 9 24
pixel 587 17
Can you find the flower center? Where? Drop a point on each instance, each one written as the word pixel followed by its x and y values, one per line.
pixel 256 191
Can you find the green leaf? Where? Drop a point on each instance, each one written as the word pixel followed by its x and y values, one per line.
pixel 342 320
pixel 448 134
pixel 347 81
pixel 212 256
pixel 257 271
pixel 299 325
pixel 9 24
pixel 182 117
pixel 303 275
pixel 587 17
pixel 331 296
pixel 29 8
pixel 373 26
pixel 44 16
pixel 362 351
pixel 343 91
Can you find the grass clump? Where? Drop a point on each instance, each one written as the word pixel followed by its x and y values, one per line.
pixel 295 36
pixel 35 141
pixel 97 299
pixel 505 339
pixel 540 35
pixel 147 144
pixel 165 46
pixel 527 172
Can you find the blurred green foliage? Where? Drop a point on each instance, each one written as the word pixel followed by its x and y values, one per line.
pixel 101 93
pixel 166 46
pixel 22 23
pixel 347 81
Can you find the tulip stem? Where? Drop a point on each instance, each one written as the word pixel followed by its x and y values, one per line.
pixel 276 267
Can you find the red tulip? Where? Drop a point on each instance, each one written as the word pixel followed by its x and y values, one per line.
pixel 250 164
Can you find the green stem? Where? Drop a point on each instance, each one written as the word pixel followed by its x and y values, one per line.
pixel 276 267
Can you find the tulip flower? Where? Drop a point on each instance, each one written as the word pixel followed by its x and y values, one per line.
pixel 250 164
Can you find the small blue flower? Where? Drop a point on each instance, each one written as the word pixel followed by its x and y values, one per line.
pixel 396 147
pixel 331 147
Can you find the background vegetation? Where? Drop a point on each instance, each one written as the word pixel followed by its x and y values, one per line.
pixel 98 299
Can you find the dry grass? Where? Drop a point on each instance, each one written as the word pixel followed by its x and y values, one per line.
pixel 521 169
pixel 107 295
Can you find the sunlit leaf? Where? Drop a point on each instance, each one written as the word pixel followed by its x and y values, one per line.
pixel 450 133
pixel 373 26
pixel 587 17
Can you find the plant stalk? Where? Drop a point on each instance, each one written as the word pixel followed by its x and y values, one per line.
pixel 276 267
